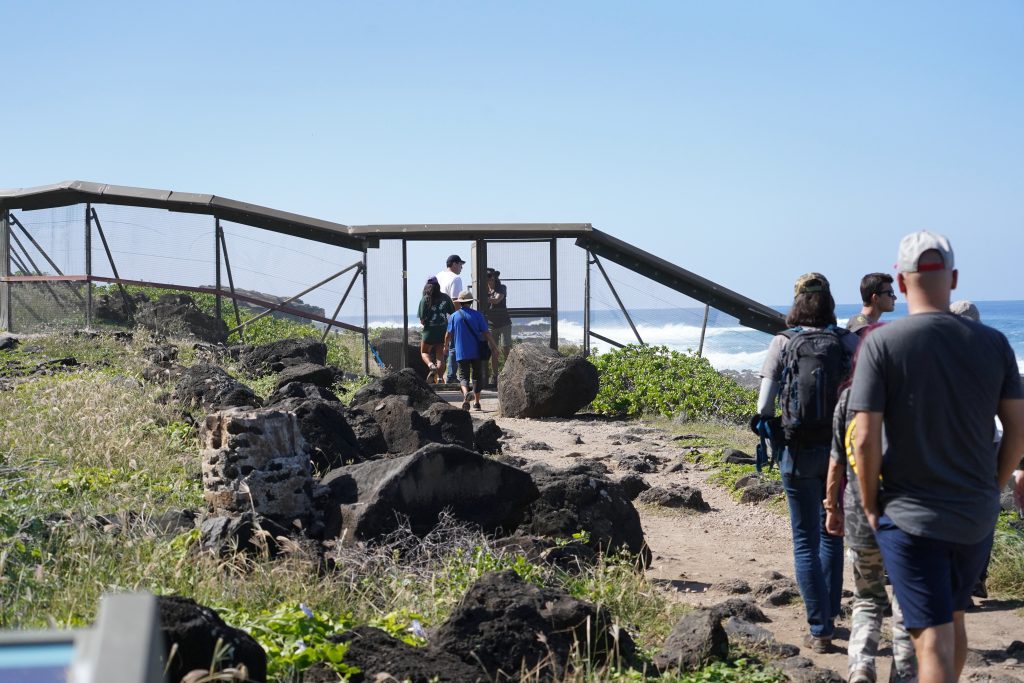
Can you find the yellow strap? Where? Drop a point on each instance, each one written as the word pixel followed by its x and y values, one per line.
pixel 848 442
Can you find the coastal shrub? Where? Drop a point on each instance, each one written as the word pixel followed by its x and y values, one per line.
pixel 1006 568
pixel 654 380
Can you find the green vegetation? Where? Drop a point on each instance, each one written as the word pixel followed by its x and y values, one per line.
pixel 344 349
pixel 91 457
pixel 653 380
pixel 1006 568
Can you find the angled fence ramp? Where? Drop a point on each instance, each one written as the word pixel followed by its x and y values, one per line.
pixel 55 243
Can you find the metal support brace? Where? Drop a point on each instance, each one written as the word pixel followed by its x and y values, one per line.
pixel 35 269
pixel 113 266
pixel 622 307
pixel 279 306
pixel 231 284
pixel 14 221
pixel 341 303
pixel 703 330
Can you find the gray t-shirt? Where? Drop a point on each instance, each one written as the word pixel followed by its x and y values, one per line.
pixel 937 378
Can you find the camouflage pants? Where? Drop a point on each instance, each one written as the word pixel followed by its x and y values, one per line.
pixel 869 602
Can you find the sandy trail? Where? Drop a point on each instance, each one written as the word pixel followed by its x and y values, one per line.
pixel 695 552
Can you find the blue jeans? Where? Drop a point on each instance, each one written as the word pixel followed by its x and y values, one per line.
pixel 452 365
pixel 817 555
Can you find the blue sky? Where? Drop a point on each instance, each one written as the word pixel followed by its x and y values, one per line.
pixel 746 141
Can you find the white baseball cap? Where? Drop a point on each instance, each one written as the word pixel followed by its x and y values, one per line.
pixel 917 243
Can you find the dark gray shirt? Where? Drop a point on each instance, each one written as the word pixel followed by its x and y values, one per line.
pixel 937 378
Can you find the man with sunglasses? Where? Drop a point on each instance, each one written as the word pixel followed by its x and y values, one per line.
pixel 878 295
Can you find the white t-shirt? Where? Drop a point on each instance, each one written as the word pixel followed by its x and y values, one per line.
pixel 451 284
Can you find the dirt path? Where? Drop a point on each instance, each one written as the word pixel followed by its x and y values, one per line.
pixel 694 553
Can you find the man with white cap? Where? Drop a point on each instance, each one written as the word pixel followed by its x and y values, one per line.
pixel 933 495
pixel 451 284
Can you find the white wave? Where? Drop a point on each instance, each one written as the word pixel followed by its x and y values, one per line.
pixel 752 360
pixel 671 334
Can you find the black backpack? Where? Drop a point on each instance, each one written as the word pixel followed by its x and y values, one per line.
pixel 814 364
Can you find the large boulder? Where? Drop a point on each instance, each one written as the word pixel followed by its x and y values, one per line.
pixel 325 427
pixel 366 501
pixel 276 356
pixel 581 498
pixel 178 315
pixel 694 642
pixel 407 429
pixel 256 460
pixel 381 657
pixel 197 636
pixel 396 354
pixel 508 626
pixel 299 390
pixel 307 373
pixel 401 383
pixel 540 382
pixel 211 388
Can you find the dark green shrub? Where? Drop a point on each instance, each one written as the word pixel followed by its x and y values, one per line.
pixel 654 380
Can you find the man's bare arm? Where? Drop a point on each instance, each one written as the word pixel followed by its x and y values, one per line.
pixel 1011 414
pixel 867 449
pixel 833 510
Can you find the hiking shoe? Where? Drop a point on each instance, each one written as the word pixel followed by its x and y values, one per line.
pixel 862 674
pixel 465 405
pixel 980 590
pixel 818 645
pixel 477 405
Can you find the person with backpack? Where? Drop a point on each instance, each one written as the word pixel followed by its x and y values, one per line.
pixel 804 368
pixel 471 343
pixel 434 309
pixel 845 517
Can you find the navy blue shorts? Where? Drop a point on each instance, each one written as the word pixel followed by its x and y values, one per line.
pixel 931 578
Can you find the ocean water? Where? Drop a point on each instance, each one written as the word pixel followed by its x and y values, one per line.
pixel 727 345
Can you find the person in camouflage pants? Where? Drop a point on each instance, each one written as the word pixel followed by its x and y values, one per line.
pixel 869 602
pixel 846 517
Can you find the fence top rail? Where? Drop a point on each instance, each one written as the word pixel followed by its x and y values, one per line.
pixel 73 192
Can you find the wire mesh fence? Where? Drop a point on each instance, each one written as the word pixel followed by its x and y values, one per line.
pixel 556 291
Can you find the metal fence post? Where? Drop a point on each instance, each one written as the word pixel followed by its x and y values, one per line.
pixel 703 329
pixel 405 304
pixel 366 313
pixel 5 270
pixel 554 293
pixel 586 305
pixel 216 251
pixel 88 266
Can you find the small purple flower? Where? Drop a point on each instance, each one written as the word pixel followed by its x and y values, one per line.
pixel 417 629
pixel 305 610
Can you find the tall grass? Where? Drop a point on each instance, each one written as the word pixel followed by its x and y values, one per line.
pixel 96 441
